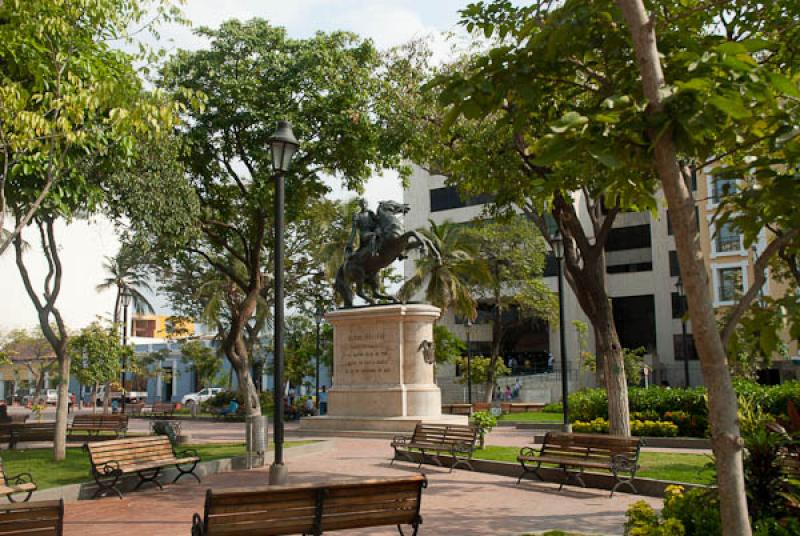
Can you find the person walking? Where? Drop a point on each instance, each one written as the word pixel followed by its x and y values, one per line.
pixel 323 400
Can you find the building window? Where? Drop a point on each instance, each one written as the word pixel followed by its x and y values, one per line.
pixel 674 265
pixel 727 239
pixel 678 346
pixel 448 198
pixel 633 237
pixel 722 187
pixel 677 305
pixel 729 283
pixel 144 328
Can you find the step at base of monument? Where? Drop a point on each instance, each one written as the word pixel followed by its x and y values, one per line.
pixel 399 425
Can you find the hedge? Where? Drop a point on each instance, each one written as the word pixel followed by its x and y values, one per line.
pixel 638 428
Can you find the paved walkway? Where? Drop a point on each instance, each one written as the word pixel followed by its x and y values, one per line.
pixel 458 503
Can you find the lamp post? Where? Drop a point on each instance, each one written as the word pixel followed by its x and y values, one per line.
pixel 469 363
pixel 283 145
pixel 319 315
pixel 684 339
pixel 125 299
pixel 557 243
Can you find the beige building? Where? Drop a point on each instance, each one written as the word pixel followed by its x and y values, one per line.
pixel 642 271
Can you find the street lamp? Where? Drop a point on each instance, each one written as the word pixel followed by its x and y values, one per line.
pixel 557 243
pixel 319 316
pixel 283 145
pixel 469 364
pixel 125 300
pixel 684 340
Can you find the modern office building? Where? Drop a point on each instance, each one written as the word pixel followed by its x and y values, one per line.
pixel 642 272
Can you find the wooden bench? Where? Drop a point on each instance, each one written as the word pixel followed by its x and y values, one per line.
pixel 31 431
pixel 617 454
pixel 12 485
pixel 456 440
pixel 163 408
pixel 43 518
pixel 143 456
pixel 312 508
pixel 457 409
pixel 93 425
pixel 520 407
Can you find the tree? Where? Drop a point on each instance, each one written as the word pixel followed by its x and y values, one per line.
pixel 724 95
pixel 204 360
pixel 99 354
pixel 30 349
pixel 71 105
pixel 513 254
pixel 447 282
pixel 447 347
pixel 125 274
pixel 478 123
pixel 60 78
pixel 254 75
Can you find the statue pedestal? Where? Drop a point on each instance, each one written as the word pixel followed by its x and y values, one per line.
pixel 381 380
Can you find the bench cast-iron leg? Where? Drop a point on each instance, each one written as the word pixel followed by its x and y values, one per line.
pixel 189 471
pixel 152 478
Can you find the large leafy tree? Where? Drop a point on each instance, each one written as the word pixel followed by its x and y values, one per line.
pixel 511 253
pixel 718 87
pixel 30 349
pixel 99 355
pixel 253 74
pixel 69 104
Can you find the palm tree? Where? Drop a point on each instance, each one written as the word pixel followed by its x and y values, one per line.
pixel 333 245
pixel 448 283
pixel 124 274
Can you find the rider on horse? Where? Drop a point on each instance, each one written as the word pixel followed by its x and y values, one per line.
pixel 365 224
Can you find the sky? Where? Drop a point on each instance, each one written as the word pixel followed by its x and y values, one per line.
pixel 85 244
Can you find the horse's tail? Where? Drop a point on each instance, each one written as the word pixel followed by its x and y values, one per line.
pixel 342 288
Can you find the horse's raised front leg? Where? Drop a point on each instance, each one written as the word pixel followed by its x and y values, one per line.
pixel 361 293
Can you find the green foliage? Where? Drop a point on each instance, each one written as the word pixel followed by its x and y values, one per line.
pixel 98 355
pixel 222 399
pixel 691 513
pixel 206 362
pixel 634 359
pixel 588 404
pixel 448 347
pixel 480 369
pixel 485 421
pixel 638 428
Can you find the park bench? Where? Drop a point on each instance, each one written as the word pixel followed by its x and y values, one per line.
pixel 520 407
pixel 455 440
pixel 163 408
pixel 94 425
pixel 617 454
pixel 312 508
pixel 31 431
pixel 457 409
pixel 143 456
pixel 12 485
pixel 43 518
pixel 133 409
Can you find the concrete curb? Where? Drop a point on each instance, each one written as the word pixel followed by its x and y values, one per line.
pixel 85 490
pixel 645 486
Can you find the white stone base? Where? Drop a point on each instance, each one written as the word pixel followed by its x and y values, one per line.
pixel 399 425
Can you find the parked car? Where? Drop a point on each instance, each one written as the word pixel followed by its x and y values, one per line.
pixel 200 396
pixel 130 396
pixel 48 396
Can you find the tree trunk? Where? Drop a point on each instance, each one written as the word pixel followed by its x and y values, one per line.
pixel 107 398
pixel 247 387
pixel 94 397
pixel 614 372
pixel 726 440
pixel 62 405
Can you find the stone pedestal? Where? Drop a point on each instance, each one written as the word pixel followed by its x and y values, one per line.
pixel 383 375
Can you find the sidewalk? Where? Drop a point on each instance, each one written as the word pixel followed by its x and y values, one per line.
pixel 458 503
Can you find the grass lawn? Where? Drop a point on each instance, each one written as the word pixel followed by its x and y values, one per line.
pixel 531 416
pixel 48 474
pixel 678 467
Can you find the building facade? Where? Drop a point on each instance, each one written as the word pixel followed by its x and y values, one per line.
pixel 642 271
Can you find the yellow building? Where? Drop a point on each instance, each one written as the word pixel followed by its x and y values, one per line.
pixel 161 327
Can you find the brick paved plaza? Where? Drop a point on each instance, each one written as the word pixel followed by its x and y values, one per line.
pixel 458 503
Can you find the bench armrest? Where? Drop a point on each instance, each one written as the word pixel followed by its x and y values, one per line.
pixel 107 469
pixel 22 478
pixel 527 451
pixel 186 453
pixel 401 440
pixel 197 525
pixel 623 462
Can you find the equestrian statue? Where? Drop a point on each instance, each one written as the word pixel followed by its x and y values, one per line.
pixel 381 241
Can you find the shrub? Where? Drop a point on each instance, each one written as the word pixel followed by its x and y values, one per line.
pixel 638 428
pixel 485 421
pixel 222 399
pixel 688 425
pixel 693 513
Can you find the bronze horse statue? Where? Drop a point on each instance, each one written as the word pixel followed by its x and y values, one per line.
pixel 362 268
